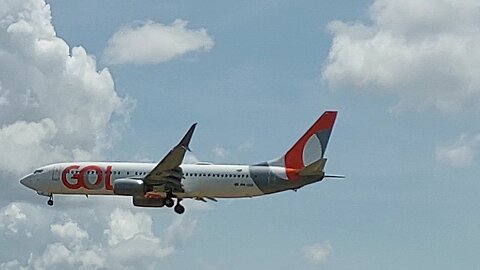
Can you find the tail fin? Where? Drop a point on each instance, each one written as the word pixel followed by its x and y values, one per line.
pixel 310 148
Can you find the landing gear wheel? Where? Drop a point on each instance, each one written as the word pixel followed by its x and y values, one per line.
pixel 179 209
pixel 50 200
pixel 169 202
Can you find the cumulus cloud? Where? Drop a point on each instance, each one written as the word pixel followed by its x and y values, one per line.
pixel 80 243
pixel 153 43
pixel 220 152
pixel 68 230
pixel 55 105
pixel 317 254
pixel 459 154
pixel 190 158
pixel 10 217
pixel 425 52
pixel 180 231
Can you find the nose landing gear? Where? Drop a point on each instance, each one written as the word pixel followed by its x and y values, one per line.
pixel 50 200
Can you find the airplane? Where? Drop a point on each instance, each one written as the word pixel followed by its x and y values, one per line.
pixel 161 184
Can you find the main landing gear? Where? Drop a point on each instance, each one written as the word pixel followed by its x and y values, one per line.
pixel 179 209
pixel 50 200
pixel 169 202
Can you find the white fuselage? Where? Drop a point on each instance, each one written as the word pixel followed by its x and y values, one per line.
pixel 97 178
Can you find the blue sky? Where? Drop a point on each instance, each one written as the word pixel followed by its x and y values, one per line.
pixel 402 76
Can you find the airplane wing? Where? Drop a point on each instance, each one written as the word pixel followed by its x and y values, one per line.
pixel 167 175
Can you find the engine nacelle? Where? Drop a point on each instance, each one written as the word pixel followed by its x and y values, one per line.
pixel 148 202
pixel 128 187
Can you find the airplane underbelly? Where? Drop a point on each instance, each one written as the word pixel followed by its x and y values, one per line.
pixel 85 191
pixel 221 188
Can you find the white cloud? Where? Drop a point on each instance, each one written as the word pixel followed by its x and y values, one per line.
pixel 459 154
pixel 11 217
pixel 152 43
pixel 131 238
pixel 56 106
pixel 69 230
pixel 220 152
pixel 124 225
pixel 54 103
pixel 190 158
pixel 121 240
pixel 180 230
pixel 317 254
pixel 11 265
pixel 26 141
pixel 425 52
pixel 67 255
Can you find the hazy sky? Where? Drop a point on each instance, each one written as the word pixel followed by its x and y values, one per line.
pixel 123 80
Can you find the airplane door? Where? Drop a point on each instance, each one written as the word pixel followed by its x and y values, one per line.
pixel 56 174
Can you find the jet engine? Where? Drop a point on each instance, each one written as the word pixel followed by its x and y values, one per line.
pixel 147 202
pixel 129 187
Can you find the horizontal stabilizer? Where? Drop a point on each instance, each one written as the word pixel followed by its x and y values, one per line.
pixel 335 176
pixel 314 169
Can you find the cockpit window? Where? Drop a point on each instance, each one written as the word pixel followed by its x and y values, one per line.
pixel 37 171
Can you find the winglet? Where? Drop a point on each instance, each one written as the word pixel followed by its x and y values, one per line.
pixel 188 136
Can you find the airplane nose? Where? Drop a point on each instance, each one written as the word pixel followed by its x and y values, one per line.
pixel 27 181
